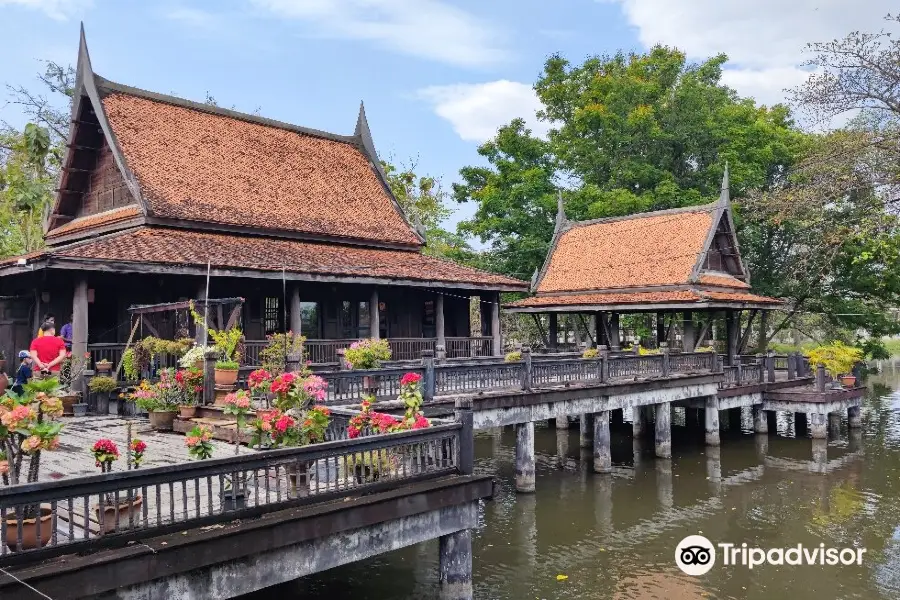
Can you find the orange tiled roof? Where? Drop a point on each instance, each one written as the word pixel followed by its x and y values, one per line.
pixel 722 280
pixel 200 166
pixel 661 297
pixel 195 248
pixel 96 220
pixel 645 250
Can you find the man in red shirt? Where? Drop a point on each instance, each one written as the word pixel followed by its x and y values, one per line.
pixel 48 351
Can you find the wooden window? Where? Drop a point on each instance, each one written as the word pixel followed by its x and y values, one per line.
pixel 365 321
pixel 272 315
pixel 309 319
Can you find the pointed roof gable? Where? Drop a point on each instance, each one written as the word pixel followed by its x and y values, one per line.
pixel 199 166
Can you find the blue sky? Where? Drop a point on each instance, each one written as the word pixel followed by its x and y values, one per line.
pixel 437 76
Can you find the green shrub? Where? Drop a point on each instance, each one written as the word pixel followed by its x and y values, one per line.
pixel 102 384
pixel 514 356
pixel 837 357
pixel 590 353
pixel 367 354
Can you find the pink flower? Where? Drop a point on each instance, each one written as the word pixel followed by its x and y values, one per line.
pixel 30 444
pixel 421 422
pixel 315 387
pixel 283 424
pixel 14 418
pixel 191 441
pixel 4 467
pixel 353 432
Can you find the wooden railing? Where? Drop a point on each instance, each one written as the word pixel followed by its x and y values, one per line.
pixel 462 347
pixel 110 352
pixel 128 505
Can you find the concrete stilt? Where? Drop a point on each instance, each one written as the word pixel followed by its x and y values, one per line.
pixel 603 503
pixel 760 420
pixel 818 427
pixel 819 452
pixel 761 441
pixel 734 419
pixel 664 490
pixel 854 418
pixel 525 457
pixel 637 452
pixel 455 564
pixel 638 422
pixel 664 430
pixel 714 468
pixel 711 418
pixel 855 440
pixel 562 448
pixel 586 430
pixel 801 424
pixel 834 424
pixel 562 422
pixel 602 455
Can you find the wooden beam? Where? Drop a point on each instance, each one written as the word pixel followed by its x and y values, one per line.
pixel 74 170
pixel 152 329
pixel 233 317
pixel 77 147
pixel 746 336
pixel 704 330
pixel 220 317
pixel 588 329
pixel 537 321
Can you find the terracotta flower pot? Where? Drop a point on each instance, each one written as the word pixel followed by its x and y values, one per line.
pixel 848 380
pixel 108 521
pixel 161 420
pixel 226 377
pixel 29 531
pixel 187 411
pixel 68 401
pixel 198 364
pixel 104 367
pixel 4 382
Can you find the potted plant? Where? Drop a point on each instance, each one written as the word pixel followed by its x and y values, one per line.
pixel 102 386
pixel 193 358
pixel 199 442
pixel 160 400
pixel 280 346
pixel 129 366
pixel 838 360
pixel 259 382
pixel 367 354
pixel 70 372
pixel 112 515
pixel 190 381
pixel 103 366
pixel 226 343
pixel 514 356
pixel 27 428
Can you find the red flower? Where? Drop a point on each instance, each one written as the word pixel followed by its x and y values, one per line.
pixel 410 379
pixel 421 422
pixel 138 446
pixel 353 432
pixel 283 424
pixel 179 377
pixel 106 447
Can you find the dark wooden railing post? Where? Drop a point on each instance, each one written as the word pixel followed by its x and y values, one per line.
pixel 664 350
pixel 770 366
pixel 429 383
pixel 464 415
pixel 440 353
pixel 714 364
pixel 526 368
pixel 820 378
pixel 209 376
pixel 604 363
pixel 791 366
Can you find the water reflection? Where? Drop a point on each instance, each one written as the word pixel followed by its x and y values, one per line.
pixel 614 535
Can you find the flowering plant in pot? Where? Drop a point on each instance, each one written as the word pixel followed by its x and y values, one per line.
pixel 160 399
pixel 237 404
pixel 102 386
pixel 367 354
pixel 279 347
pixel 113 515
pixel 259 382
pixel 103 366
pixel 190 382
pixel 838 359
pixel 194 357
pixel 199 442
pixel 27 428
pixel 226 343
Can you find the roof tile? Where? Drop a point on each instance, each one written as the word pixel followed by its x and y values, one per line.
pixel 200 166
pixel 689 296
pixel 190 247
pixel 96 220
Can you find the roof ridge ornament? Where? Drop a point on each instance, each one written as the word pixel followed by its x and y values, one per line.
pixel 534 280
pixel 724 195
pixel 561 220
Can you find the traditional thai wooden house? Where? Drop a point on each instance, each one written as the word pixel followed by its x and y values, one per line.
pixel 300 223
pixel 683 264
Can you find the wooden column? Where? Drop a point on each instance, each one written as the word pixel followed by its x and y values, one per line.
pixel 296 312
pixel 552 331
pixel 660 328
pixel 200 335
pixel 439 320
pixel 80 325
pixel 688 338
pixel 374 315
pixel 495 325
pixel 731 337
pixel 615 342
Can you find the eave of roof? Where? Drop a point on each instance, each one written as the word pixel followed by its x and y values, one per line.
pixel 685 299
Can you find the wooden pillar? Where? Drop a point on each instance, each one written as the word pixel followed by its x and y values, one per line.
pixel 374 315
pixel 552 331
pixel 80 325
pixel 688 340
pixel 732 336
pixel 439 320
pixel 615 341
pixel 495 325
pixel 660 328
pixel 296 312
pixel 200 335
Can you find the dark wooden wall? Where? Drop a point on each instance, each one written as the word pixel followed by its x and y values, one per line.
pixel 105 188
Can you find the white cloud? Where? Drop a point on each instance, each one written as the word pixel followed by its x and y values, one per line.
pixel 55 9
pixel 764 39
pixel 431 29
pixel 192 17
pixel 477 110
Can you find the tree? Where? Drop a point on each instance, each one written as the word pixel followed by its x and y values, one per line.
pixel 651 131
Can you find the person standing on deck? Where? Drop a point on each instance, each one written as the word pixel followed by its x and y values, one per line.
pixel 23 373
pixel 48 318
pixel 48 351
pixel 66 334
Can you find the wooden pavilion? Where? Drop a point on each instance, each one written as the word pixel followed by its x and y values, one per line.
pixel 682 264
pixel 155 190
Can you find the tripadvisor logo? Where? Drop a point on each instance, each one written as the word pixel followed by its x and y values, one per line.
pixel 696 555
